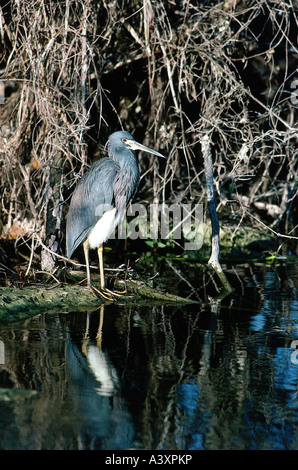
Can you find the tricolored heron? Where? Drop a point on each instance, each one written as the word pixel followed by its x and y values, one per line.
pixel 99 201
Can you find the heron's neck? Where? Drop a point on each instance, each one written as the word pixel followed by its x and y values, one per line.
pixel 127 160
pixel 127 179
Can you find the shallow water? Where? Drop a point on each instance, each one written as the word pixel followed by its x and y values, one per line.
pixel 206 376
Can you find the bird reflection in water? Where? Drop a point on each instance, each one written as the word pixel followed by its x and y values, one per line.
pixel 95 391
pixel 98 361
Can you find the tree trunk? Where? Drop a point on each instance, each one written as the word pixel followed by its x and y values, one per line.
pixel 53 213
pixel 213 262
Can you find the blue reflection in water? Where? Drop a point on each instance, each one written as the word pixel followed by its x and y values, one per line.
pixel 194 414
pixel 187 402
pixel 274 326
pixel 258 322
pixel 188 395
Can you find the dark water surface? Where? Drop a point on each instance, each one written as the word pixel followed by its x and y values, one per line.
pixel 206 376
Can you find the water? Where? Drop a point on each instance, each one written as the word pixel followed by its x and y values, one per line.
pixel 207 376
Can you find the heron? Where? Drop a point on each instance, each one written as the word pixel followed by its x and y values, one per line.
pixel 100 199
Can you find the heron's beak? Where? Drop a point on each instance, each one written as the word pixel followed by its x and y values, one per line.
pixel 136 146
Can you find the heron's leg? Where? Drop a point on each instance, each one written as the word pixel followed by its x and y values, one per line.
pixel 86 253
pixel 90 286
pixel 102 278
pixel 101 270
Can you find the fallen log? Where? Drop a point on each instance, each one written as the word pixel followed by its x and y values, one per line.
pixel 20 303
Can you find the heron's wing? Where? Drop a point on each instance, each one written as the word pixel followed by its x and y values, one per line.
pixel 92 197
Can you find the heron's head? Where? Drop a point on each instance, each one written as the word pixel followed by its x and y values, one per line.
pixel 124 140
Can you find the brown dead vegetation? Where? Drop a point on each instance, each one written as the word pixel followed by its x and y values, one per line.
pixel 170 73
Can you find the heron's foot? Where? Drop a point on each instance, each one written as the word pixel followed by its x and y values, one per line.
pixel 101 293
pixel 117 293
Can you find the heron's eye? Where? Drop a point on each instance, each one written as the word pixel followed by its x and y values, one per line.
pixel 124 140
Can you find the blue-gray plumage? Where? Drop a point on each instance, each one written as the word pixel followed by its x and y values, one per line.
pixel 100 199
